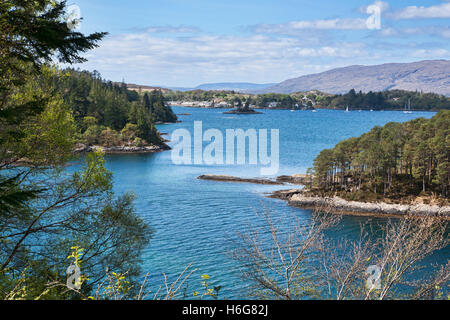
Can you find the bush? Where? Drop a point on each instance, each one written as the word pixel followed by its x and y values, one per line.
pixel 110 138
pixel 129 132
pixel 92 134
pixel 138 142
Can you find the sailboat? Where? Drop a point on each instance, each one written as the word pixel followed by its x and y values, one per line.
pixel 347 110
pixel 408 108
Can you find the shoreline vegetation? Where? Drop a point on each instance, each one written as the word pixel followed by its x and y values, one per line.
pixel 307 200
pixel 110 117
pixel 310 199
pixel 122 149
pixel 393 100
pixel 397 169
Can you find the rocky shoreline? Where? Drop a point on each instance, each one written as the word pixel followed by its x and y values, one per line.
pixel 298 198
pixel 297 179
pixel 121 149
pixel 223 178
pixel 302 198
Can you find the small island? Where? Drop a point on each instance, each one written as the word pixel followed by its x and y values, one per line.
pixel 243 109
pixel 111 118
pixel 410 178
pixel 224 178
pixel 296 179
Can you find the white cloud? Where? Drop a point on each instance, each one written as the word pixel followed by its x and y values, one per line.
pixel 430 53
pixel 325 24
pixel 179 61
pixel 295 26
pixel 184 56
pixel 384 6
pixel 414 12
pixel 436 31
pixel 336 24
pixel 173 29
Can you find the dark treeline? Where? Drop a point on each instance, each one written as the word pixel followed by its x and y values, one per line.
pixel 51 217
pixel 108 113
pixel 265 101
pixel 197 95
pixel 283 101
pixel 405 159
pixel 386 100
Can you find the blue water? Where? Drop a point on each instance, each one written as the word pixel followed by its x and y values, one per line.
pixel 194 220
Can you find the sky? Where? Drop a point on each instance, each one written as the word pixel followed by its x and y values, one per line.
pixel 184 43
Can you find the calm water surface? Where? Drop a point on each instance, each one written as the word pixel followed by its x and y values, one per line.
pixel 194 220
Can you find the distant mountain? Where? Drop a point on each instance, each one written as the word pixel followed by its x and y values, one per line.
pixel 228 86
pixel 427 76
pixel 236 86
pixel 137 87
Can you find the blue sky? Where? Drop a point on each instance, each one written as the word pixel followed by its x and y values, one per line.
pixel 186 43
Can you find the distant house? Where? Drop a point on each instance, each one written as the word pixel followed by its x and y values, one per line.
pixel 222 104
pixel 205 104
pixel 273 104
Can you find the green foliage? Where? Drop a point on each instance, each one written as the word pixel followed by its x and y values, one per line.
pixel 45 209
pixel 103 109
pixel 94 177
pixel 207 292
pixel 155 104
pixel 396 160
pixel 388 100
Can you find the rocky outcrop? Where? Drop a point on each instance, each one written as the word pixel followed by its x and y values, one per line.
pixel 296 179
pixel 223 178
pixel 301 179
pixel 297 198
pixel 121 149
pixel 242 111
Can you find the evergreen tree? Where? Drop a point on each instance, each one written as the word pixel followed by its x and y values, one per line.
pixel 413 156
pixel 43 213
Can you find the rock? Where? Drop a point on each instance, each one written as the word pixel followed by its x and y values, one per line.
pixel 284 194
pixel 242 111
pixel 223 178
pixel 121 149
pixel 301 179
pixel 340 205
pixel 82 148
pixel 298 179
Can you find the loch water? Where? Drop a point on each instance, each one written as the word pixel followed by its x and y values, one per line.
pixel 195 221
